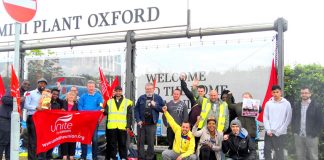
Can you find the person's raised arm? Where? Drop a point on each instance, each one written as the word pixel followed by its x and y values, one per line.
pixel 187 92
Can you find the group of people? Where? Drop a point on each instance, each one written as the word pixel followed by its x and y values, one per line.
pixel 30 101
pixel 215 128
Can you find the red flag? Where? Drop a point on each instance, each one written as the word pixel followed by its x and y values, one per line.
pixel 54 127
pixel 105 87
pixel 14 87
pixel 2 89
pixel 273 80
pixel 154 83
pixel 60 79
pixel 114 84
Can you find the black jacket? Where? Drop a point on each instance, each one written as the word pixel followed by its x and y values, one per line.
pixel 190 96
pixel 7 104
pixel 239 147
pixel 314 119
pixel 57 104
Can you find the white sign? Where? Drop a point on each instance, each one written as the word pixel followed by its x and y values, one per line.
pixel 250 107
pixel 73 17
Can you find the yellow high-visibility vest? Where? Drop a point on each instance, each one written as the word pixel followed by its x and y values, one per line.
pixel 221 116
pixel 117 118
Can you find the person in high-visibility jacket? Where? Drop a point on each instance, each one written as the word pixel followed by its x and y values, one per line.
pixel 184 141
pixel 216 108
pixel 119 121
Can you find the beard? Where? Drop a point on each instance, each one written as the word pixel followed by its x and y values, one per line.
pixel 41 89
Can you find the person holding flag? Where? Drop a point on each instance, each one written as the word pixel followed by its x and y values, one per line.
pixel 31 105
pixel 2 89
pixel 5 119
pixel 119 117
pixel 147 110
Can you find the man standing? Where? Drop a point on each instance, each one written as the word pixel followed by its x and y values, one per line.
pixel 5 117
pixel 307 119
pixel 5 121
pixel 215 108
pixel 276 118
pixel 31 105
pixel 147 110
pixel 91 101
pixel 119 110
pixel 179 112
pixel 184 143
pixel 24 88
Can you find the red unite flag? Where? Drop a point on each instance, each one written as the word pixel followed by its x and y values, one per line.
pixel 55 127
pixel 273 80
pixel 105 87
pixel 2 89
pixel 14 87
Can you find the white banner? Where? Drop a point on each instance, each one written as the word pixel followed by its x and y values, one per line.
pixel 74 17
pixel 239 67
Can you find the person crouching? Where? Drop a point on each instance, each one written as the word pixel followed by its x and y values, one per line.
pixel 184 141
pixel 238 144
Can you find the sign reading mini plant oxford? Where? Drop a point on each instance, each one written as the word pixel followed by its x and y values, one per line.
pixel 21 10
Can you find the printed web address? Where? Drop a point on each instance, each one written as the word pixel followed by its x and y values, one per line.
pixel 63 137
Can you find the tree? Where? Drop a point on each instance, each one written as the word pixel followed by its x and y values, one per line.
pixel 304 75
pixel 312 76
pixel 47 68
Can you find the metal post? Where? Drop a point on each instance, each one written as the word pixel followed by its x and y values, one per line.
pixel 281 26
pixel 15 120
pixel 147 36
pixel 130 66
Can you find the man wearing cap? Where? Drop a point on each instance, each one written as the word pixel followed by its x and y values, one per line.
pixel 119 117
pixel 238 144
pixel 91 101
pixel 31 105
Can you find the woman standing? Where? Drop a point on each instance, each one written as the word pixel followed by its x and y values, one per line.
pixel 69 104
pixel 210 143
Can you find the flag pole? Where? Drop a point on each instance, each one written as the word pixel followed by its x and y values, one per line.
pixel 15 119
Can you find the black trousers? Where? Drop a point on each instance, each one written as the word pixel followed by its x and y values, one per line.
pixel 275 143
pixel 49 154
pixel 4 137
pixel 116 138
pixel 170 137
pixel 206 153
pixel 68 148
pixel 31 138
pixel 32 141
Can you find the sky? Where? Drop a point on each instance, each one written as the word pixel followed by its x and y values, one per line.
pixel 303 39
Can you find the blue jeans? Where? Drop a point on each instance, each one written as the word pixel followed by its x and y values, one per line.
pixel 84 147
